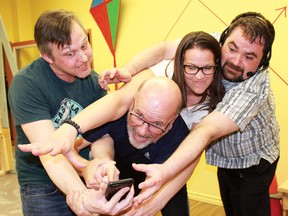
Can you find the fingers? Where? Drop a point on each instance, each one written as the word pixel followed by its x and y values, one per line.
pixel 76 160
pixel 103 75
pixel 127 202
pixel 75 202
pixel 149 182
pixel 144 196
pixel 140 167
pixel 35 148
pixel 123 204
pixel 55 151
pixel 99 171
pixel 104 85
pixel 117 196
pixel 39 149
pixel 112 172
pixel 72 198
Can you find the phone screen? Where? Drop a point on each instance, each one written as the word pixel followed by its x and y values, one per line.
pixel 115 186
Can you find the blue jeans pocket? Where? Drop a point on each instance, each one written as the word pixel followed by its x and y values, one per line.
pixel 43 199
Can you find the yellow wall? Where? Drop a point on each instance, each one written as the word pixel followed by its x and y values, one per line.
pixel 143 23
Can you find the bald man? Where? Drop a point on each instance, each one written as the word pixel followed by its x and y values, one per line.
pixel 148 133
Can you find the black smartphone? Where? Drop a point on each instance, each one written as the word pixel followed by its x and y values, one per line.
pixel 114 186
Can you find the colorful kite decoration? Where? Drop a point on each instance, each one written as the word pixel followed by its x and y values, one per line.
pixel 106 13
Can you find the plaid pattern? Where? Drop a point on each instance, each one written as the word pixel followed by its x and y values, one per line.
pixel 250 104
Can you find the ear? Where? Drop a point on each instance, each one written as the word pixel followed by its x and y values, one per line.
pixel 47 58
pixel 172 122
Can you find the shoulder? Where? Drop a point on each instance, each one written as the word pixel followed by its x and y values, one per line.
pixel 178 131
pixel 90 83
pixel 37 70
pixel 94 75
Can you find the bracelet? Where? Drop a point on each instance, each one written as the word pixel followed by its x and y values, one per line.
pixel 75 125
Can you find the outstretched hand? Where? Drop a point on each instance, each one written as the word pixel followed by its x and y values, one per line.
pixel 156 178
pixel 100 171
pixel 113 75
pixel 90 201
pixel 60 141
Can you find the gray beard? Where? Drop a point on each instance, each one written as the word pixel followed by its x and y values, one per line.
pixel 134 143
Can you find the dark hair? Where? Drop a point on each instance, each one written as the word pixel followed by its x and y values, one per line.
pixel 203 41
pixel 54 27
pixel 255 26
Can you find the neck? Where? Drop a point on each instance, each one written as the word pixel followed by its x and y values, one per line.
pixel 193 99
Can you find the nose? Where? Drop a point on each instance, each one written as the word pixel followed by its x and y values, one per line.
pixel 82 56
pixel 237 60
pixel 143 129
pixel 200 74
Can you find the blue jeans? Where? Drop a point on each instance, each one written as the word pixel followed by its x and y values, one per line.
pixel 42 200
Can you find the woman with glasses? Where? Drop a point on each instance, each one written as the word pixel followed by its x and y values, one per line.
pixel 197 72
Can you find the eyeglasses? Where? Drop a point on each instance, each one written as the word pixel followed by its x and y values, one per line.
pixel 152 127
pixel 193 70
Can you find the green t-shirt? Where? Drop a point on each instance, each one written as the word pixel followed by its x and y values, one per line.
pixel 36 93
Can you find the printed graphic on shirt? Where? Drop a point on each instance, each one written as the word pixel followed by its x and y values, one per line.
pixel 147 155
pixel 68 109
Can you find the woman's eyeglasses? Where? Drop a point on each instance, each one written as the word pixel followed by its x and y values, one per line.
pixel 193 70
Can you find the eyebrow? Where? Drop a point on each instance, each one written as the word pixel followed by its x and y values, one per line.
pixel 68 46
pixel 247 53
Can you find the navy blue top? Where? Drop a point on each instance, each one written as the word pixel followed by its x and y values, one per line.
pixel 126 154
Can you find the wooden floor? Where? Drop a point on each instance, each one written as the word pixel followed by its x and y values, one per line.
pixel 10 204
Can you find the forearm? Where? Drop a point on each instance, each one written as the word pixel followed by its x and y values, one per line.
pixel 150 56
pixel 58 168
pixel 174 185
pixel 103 148
pixel 62 173
pixel 188 151
pixel 112 106
pixel 165 194
pixel 212 127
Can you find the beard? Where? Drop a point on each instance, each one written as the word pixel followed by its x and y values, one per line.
pixel 231 75
pixel 136 144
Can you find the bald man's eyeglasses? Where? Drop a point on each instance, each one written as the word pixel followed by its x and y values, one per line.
pixel 152 127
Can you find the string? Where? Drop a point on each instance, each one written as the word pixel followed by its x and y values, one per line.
pixel 177 20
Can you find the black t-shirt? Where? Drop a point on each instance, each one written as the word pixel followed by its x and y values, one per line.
pixel 126 154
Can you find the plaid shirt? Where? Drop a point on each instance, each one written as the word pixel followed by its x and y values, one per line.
pixel 250 104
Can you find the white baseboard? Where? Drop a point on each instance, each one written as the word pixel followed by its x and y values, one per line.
pixel 205 198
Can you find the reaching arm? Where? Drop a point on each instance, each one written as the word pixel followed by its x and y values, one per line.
pixel 162 197
pixel 143 60
pixel 108 108
pixel 97 174
pixel 58 168
pixel 212 127
pixel 102 168
pixel 151 55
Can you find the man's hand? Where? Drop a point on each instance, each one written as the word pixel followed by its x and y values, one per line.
pixel 61 141
pixel 156 178
pixel 113 75
pixel 75 201
pixel 92 201
pixel 100 171
pixel 151 207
